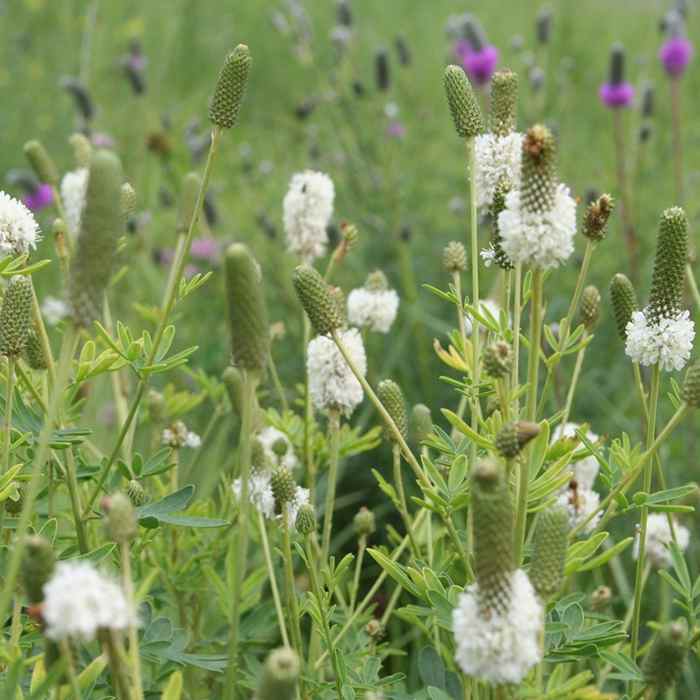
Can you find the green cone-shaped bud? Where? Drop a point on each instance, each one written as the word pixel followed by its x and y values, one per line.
pixel 315 297
pixel 34 352
pixel 513 437
pixel 38 563
pixel 364 522
pixel 15 316
pixel 121 522
pixel 538 170
pixel 464 106
pixel 549 555
pixel 136 493
pixel 283 487
pixel 498 359
pixel 376 281
pixel 421 422
pixel 191 185
pixel 454 257
pixel 101 226
pixel 596 217
pixel 590 307
pixel 305 523
pixel 493 535
pixel 391 396
pixel 351 235
pixel 664 662
pixel 280 675
pixel 669 265
pixel 82 149
pixel 497 206
pixel 42 163
pixel 624 302
pixel 691 385
pixel 504 102
pixel 247 312
pixel 230 88
pixel 128 200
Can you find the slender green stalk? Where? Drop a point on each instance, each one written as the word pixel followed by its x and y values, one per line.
pixel 293 608
pixel 638 582
pixel 29 386
pixel 116 379
pixel 677 139
pixel 74 493
pixel 115 657
pixel 128 585
pixel 250 383
pixel 515 379
pixel 334 445
pixel 403 506
pixel 390 606
pixel 308 412
pixel 640 388
pixel 574 381
pixel 70 669
pixel 565 325
pixel 284 405
pixel 273 579
pixel 623 187
pixel 43 337
pixel 531 408
pixel 7 419
pixel 361 547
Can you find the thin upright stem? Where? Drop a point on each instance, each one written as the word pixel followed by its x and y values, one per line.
pixel 401 492
pixel 515 379
pixel 273 579
pixel 74 494
pixel 7 419
pixel 70 669
pixel 334 448
pixel 574 381
pixel 292 605
pixel 40 329
pixel 677 138
pixel 565 326
pixel 361 547
pixel 128 585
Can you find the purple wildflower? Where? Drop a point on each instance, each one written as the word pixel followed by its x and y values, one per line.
pixel 102 140
pixel 479 64
pixel 675 54
pixel 41 197
pixel 617 92
pixel 205 249
pixel 396 130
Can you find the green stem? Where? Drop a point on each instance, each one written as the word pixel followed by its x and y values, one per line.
pixel 515 379
pixel 640 388
pixel 474 240
pixel 294 620
pixel 43 337
pixel 677 139
pixel 74 493
pixel 115 658
pixel 334 445
pixel 531 408
pixel 278 384
pixel 625 203
pixel 70 669
pixel 403 506
pixel 308 413
pixel 128 585
pixel 361 547
pixel 648 467
pixel 574 381
pixel 565 326
pixel 29 386
pixel 250 382
pixel 273 579
pixel 7 420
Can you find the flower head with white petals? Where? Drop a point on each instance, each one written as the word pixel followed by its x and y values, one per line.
pixel 497 158
pixel 658 539
pixel 544 239
pixel 271 439
pixel 500 647
pixel 178 436
pixel 580 504
pixel 332 384
pixel 79 601
pixel 54 310
pixel 73 190
pixel 259 493
pixel 308 207
pixel 373 306
pixel 667 341
pixel 487 307
pixel 19 231
pixel 585 469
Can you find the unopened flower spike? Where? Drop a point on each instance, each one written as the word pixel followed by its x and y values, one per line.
pixel 513 437
pixel 128 200
pixel 364 522
pixel 121 521
pixel 590 307
pixel 549 555
pixel 498 359
pixel 42 164
pixel 495 253
pixel 247 311
pixel 463 104
pixel 279 676
pixel 82 149
pixel 543 25
pixel 38 564
pixel 230 88
pixel 101 226
pixel 381 67
pixel 665 659
pixel 34 351
pixel 504 102
pixel 15 316
pixel 305 522
pixel 421 423
pixel 454 257
pixel 624 302
pixel 596 217
pixel 391 396
pixel 315 297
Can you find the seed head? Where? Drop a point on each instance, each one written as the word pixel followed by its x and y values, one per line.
pixel 128 200
pixel 15 316
pixel 497 206
pixel 691 385
pixel 624 302
pixel 82 149
pixel 136 493
pixel 454 257
pixel 230 88
pixel 463 104
pixel 391 396
pixel 121 522
pixel 538 170
pixel 315 297
pixel 498 359
pixel 513 437
pixel 596 217
pixel 305 523
pixel 34 352
pixel 590 307
pixel 504 102
pixel 280 675
pixel 364 522
pixel 283 487
pixel 549 556
pixel 664 662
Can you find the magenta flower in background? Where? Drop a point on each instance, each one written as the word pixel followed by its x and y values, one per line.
pixel 41 197
pixel 479 64
pixel 617 93
pixel 206 249
pixel 102 140
pixel 675 54
pixel 396 130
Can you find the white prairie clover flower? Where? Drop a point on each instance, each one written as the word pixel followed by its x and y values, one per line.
pixel 54 310
pixel 178 436
pixel 73 190
pixel 667 342
pixel 499 647
pixel 658 538
pixel 373 306
pixel 489 305
pixel 586 469
pixel 259 493
pixel 544 239
pixel 79 601
pixel 301 498
pixel 269 438
pixel 580 503
pixel 308 207
pixel 331 383
pixel 19 231
pixel 496 158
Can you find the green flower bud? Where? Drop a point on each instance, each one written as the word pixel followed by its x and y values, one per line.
pixel 669 264
pixel 82 149
pixel 13 506
pixel 136 493
pixel 42 163
pixel 247 311
pixel 128 200
pixel 664 662
pixel 504 102
pixel 590 307
pixel 315 297
pixel 596 217
pixel 364 522
pixel 493 520
pixel 624 302
pixel 102 225
pixel 34 352
pixel 121 522
pixel 351 235
pixel 306 520
pixel 513 437
pixel 15 316
pixel 454 257
pixel 280 675
pixel 155 401
pixel 38 563
pixel 191 185
pixel 463 104
pixel 377 281
pixel 498 359
pixel 283 487
pixel 691 385
pixel 538 170
pixel 421 422
pixel 230 88
pixel 551 539
pixel 391 396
